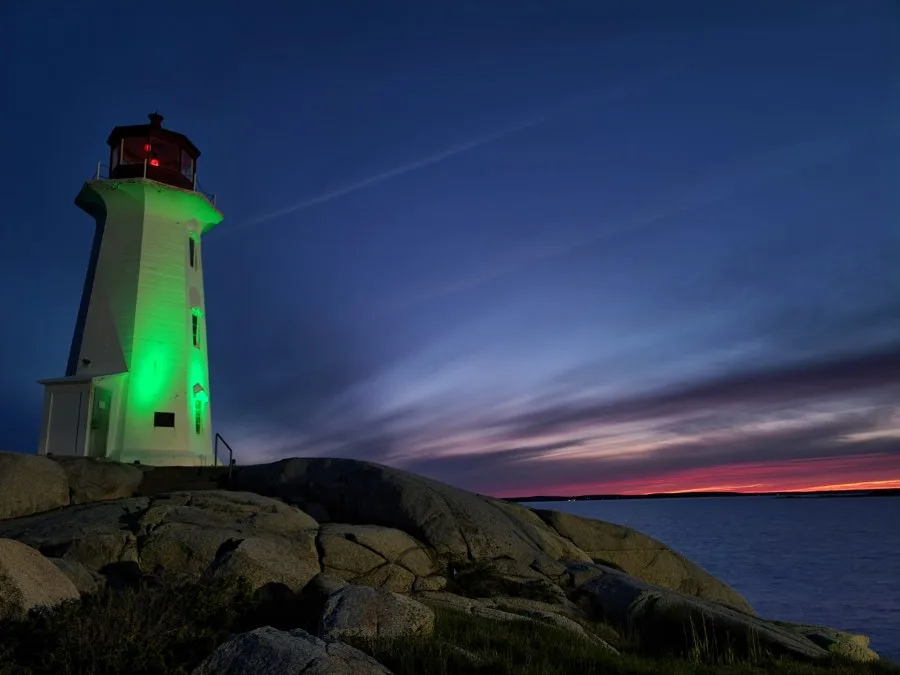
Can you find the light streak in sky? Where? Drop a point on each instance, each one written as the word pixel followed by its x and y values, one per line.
pixel 592 97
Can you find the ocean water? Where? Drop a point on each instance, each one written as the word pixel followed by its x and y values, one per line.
pixel 833 561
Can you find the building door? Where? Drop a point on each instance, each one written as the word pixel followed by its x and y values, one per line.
pixel 99 423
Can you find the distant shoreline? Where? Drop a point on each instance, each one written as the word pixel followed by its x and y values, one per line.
pixel 892 492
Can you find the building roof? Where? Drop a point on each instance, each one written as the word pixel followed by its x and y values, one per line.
pixel 78 379
pixel 154 128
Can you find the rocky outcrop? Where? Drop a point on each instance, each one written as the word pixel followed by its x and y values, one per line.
pixel 665 620
pixel 267 651
pixel 455 524
pixel 393 545
pixel 373 613
pixel 640 556
pixel 30 484
pixel 28 581
pixel 459 525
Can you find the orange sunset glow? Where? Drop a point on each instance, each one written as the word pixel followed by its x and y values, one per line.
pixel 867 472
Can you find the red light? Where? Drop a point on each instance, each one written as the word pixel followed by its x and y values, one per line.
pixel 146 147
pixel 154 162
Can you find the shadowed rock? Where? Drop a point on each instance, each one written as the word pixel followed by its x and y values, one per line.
pixel 94 480
pixel 666 621
pixel 455 524
pixel 372 613
pixel 86 581
pixel 267 651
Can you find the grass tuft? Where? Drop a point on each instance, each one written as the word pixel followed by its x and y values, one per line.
pixel 482 580
pixel 153 630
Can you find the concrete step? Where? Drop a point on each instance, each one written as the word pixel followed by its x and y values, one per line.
pixel 158 480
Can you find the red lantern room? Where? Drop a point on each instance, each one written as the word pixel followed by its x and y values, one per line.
pixel 149 151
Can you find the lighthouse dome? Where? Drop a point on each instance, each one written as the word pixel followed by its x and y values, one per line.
pixel 151 151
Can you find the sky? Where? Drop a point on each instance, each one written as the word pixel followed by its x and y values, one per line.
pixel 520 247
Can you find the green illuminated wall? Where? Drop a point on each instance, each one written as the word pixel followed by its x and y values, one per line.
pixel 144 296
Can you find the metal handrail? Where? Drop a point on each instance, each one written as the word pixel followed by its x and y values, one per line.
pixel 216 453
pixel 102 173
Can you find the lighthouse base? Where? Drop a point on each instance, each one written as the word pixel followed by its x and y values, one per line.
pixel 83 416
pixel 164 458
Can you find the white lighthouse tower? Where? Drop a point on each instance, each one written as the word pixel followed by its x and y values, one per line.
pixel 137 382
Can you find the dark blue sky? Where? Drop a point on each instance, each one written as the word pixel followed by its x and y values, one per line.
pixel 517 246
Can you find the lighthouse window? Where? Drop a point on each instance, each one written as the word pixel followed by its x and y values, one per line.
pixel 164 419
pixel 198 416
pixel 195 330
pixel 187 166
pixel 135 150
pixel 192 250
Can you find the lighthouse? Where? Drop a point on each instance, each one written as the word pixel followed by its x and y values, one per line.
pixel 136 386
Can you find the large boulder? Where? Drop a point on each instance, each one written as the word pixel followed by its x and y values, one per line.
pixel 95 480
pixel 847 646
pixel 456 524
pixel 228 534
pixel 373 613
pixel 29 581
pixel 268 560
pixel 641 556
pixel 30 484
pixel 267 651
pixel 659 619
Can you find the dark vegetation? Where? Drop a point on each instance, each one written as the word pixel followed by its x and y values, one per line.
pixel 481 580
pixel 167 628
pixel 467 645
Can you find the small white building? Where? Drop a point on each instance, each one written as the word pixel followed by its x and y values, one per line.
pixel 136 386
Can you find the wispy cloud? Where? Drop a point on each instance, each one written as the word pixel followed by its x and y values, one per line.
pixel 722 432
pixel 685 462
pixel 820 378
